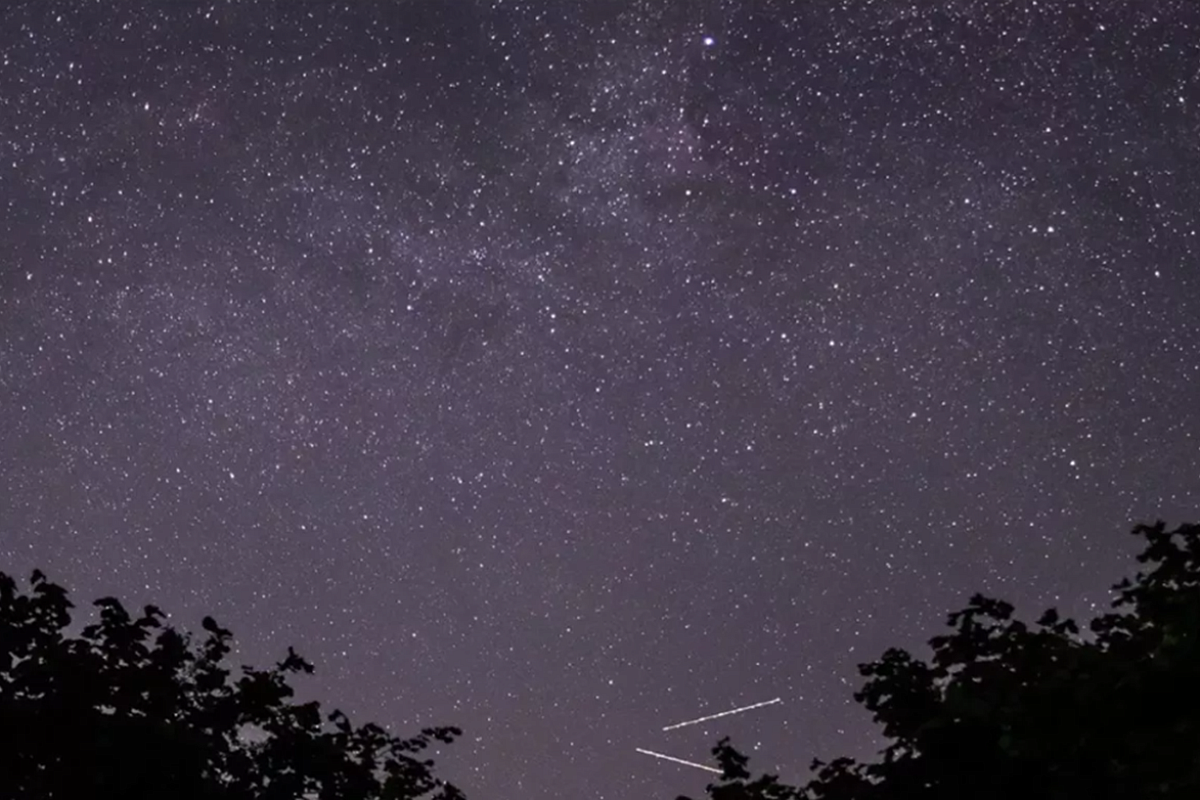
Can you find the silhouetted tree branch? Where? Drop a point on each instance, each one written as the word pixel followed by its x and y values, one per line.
pixel 132 708
pixel 1008 710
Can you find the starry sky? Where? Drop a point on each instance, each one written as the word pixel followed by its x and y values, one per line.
pixel 563 369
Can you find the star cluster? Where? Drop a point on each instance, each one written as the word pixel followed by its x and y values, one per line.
pixel 562 370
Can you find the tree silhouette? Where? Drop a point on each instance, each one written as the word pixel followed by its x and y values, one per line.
pixel 131 709
pixel 1008 710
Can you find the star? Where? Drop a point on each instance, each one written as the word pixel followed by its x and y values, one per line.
pixel 494 353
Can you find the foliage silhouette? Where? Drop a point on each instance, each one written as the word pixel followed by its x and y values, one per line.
pixel 1008 710
pixel 132 709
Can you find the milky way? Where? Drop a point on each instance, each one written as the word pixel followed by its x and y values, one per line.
pixel 556 369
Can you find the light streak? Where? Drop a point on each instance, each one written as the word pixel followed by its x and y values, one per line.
pixel 722 714
pixel 678 760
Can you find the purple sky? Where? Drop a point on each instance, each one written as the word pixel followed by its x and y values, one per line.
pixel 562 370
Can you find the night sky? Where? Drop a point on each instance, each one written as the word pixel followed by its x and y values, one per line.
pixel 563 369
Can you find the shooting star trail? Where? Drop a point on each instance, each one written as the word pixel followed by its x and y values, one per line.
pixel 722 714
pixel 678 760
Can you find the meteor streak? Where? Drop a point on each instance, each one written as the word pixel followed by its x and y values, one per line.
pixel 677 760
pixel 722 714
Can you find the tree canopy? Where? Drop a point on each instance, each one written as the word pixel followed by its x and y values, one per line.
pixel 1004 709
pixel 132 708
